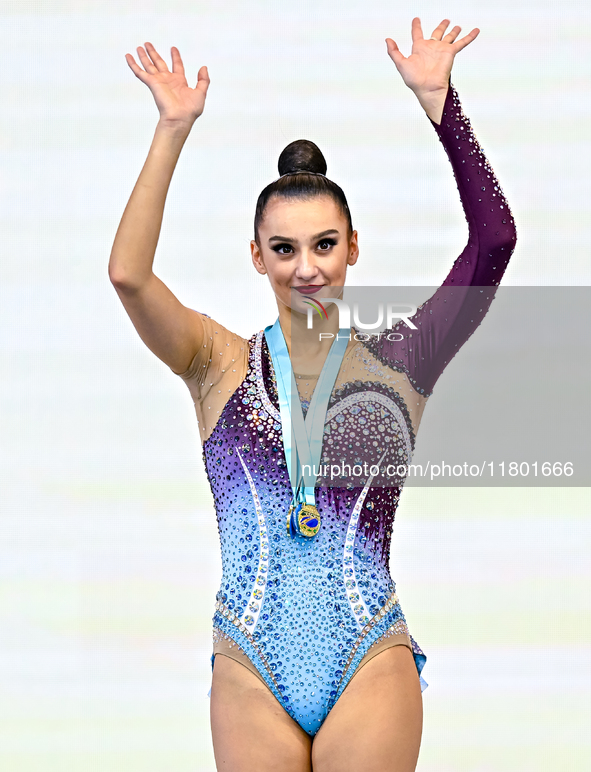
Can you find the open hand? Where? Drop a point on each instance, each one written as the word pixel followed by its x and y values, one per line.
pixel 175 100
pixel 428 67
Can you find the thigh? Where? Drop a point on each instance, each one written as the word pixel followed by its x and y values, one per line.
pixel 251 731
pixel 376 723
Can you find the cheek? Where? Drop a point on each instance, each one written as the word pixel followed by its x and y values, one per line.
pixel 338 266
pixel 279 273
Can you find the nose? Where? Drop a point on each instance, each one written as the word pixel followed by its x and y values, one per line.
pixel 306 269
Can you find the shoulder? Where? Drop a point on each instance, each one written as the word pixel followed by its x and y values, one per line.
pixel 219 347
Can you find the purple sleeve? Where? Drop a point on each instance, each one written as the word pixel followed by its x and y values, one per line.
pixel 446 321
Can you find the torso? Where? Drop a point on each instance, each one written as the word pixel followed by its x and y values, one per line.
pixel 306 611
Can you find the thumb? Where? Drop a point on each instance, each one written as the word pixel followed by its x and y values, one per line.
pixel 203 79
pixel 394 52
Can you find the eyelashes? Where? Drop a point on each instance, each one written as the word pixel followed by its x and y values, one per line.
pixel 280 247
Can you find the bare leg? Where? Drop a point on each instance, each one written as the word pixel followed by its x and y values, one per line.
pixel 377 722
pixel 251 731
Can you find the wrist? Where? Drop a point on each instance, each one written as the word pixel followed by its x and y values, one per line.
pixel 432 102
pixel 430 96
pixel 174 129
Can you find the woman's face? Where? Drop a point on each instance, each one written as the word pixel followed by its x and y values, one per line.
pixel 304 246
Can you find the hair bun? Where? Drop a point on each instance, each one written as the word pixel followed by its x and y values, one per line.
pixel 301 156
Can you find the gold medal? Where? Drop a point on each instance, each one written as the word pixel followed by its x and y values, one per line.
pixel 308 520
pixel 303 520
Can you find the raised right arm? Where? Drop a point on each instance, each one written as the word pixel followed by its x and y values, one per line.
pixel 171 330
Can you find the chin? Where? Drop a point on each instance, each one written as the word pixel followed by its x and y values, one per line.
pixel 297 302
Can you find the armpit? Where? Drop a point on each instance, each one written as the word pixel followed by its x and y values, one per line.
pixel 215 372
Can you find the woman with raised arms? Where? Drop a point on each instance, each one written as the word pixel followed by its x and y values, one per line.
pixel 314 664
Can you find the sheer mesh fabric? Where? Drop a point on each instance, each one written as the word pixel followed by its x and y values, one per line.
pixel 215 372
pixel 220 366
pixel 229 648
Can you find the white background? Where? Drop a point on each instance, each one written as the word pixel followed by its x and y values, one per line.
pixel 109 558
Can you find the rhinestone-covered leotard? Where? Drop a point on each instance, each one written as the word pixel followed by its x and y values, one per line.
pixel 306 612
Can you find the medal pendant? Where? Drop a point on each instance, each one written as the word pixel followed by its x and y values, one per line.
pixel 305 520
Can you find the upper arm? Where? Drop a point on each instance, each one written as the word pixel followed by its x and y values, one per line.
pixel 169 329
pixel 443 324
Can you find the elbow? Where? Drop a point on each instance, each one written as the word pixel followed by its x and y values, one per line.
pixel 119 280
pixel 123 281
pixel 508 234
pixel 504 246
pixel 116 273
pixel 115 277
pixel 495 236
pixel 502 242
pixel 508 244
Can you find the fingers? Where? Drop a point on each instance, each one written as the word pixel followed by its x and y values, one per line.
pixel 177 62
pixel 135 68
pixel 203 79
pixel 466 40
pixel 440 29
pixel 394 52
pixel 452 35
pixel 416 29
pixel 146 61
pixel 159 62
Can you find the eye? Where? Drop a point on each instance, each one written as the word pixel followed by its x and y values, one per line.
pixel 280 247
pixel 326 244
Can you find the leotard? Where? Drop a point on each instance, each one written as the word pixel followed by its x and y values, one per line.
pixel 304 614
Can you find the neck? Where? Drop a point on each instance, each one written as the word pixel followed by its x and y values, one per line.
pixel 295 327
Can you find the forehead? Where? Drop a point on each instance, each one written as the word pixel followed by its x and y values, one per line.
pixel 302 216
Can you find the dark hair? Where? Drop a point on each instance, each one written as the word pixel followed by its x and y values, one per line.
pixel 302 168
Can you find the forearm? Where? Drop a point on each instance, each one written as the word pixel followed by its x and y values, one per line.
pixel 491 227
pixel 133 251
pixel 447 319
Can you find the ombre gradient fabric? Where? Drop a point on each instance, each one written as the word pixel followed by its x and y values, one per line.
pixel 307 612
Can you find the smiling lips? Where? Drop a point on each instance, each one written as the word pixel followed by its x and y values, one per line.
pixel 308 289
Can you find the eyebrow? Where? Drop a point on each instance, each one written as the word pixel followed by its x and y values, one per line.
pixel 316 236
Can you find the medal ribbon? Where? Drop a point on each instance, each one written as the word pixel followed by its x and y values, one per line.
pixel 307 433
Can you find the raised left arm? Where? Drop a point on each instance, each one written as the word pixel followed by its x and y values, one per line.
pixel 447 319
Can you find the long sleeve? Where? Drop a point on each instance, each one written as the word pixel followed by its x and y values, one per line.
pixel 450 316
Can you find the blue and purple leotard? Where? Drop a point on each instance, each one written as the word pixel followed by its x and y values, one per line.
pixel 304 613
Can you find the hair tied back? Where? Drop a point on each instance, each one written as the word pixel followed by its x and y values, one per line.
pixel 301 156
pixel 302 171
